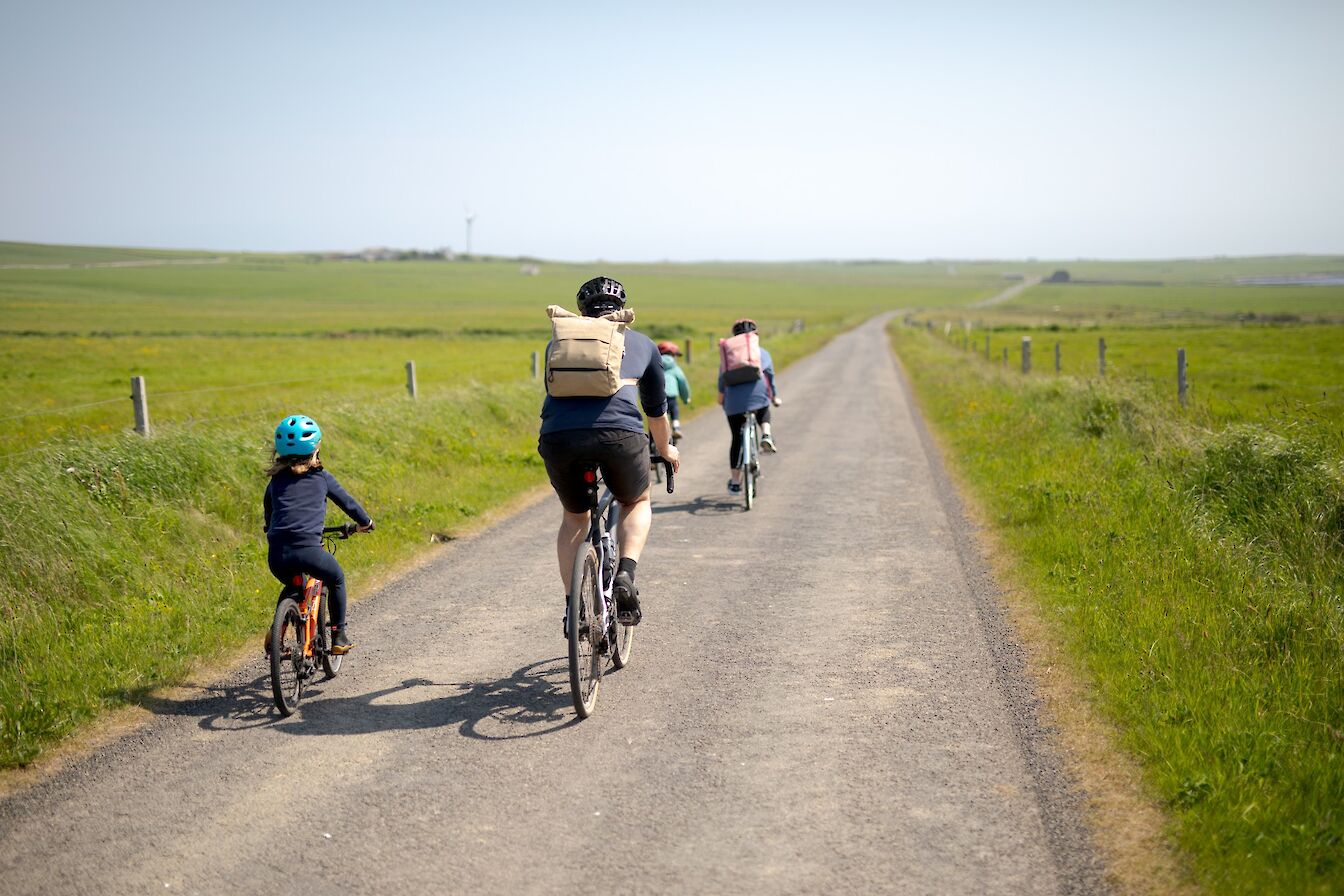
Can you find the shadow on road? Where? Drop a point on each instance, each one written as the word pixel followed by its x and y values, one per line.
pixel 701 505
pixel 533 701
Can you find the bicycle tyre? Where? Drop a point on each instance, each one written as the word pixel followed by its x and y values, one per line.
pixel 625 638
pixel 331 662
pixel 585 659
pixel 287 656
pixel 748 479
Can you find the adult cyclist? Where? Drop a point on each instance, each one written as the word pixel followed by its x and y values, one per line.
pixel 609 432
pixel 754 397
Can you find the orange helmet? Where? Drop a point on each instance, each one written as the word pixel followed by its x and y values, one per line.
pixel 668 348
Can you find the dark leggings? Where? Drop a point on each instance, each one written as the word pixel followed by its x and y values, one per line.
pixel 735 422
pixel 672 412
pixel 287 561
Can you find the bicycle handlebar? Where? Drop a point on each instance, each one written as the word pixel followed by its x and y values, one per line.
pixel 667 465
pixel 345 530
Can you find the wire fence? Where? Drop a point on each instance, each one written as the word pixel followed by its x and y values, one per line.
pixel 140 398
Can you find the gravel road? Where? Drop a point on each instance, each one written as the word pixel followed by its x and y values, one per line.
pixel 822 698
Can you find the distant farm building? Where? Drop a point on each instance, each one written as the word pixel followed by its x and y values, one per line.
pixel 1058 277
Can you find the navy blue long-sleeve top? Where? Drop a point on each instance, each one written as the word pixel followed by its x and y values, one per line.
pixel 295 507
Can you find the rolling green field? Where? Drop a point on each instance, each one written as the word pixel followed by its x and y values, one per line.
pixel 1190 557
pixel 144 554
pixel 1189 560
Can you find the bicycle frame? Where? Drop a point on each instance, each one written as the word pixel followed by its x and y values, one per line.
pixel 309 599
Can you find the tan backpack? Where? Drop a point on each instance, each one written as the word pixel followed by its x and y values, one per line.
pixel 584 360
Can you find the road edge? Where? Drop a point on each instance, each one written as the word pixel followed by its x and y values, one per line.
pixel 1060 787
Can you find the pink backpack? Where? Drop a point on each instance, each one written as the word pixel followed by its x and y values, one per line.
pixel 740 359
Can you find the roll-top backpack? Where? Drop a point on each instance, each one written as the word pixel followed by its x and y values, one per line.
pixel 740 358
pixel 584 358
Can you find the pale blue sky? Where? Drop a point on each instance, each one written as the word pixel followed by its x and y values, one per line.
pixel 697 131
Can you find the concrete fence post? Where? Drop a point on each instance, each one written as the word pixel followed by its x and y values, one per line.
pixel 535 366
pixel 141 403
pixel 410 380
pixel 688 351
pixel 1101 355
pixel 1057 357
pixel 1026 354
pixel 1005 356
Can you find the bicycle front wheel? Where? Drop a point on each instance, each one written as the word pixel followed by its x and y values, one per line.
pixel 620 651
pixel 585 632
pixel 331 662
pixel 287 656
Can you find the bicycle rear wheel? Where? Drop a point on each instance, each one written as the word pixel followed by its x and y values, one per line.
pixel 287 656
pixel 585 632
pixel 331 662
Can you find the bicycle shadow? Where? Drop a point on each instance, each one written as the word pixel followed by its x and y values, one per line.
pixel 701 506
pixel 233 706
pixel 534 700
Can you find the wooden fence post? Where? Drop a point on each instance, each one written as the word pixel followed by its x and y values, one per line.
pixel 1101 355
pixel 1026 354
pixel 1056 357
pixel 1005 356
pixel 410 379
pixel 688 351
pixel 1182 387
pixel 534 365
pixel 986 346
pixel 141 403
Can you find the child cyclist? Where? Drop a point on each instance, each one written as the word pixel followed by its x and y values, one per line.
pixel 295 507
pixel 677 385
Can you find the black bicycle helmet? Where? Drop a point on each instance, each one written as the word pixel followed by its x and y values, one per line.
pixel 599 296
pixel 745 325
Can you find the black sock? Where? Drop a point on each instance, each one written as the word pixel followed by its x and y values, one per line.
pixel 627 565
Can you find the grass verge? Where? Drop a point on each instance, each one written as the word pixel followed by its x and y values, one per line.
pixel 1192 575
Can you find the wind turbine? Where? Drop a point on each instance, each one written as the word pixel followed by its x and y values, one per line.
pixel 471 216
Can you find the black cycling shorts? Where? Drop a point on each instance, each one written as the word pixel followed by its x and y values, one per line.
pixel 621 455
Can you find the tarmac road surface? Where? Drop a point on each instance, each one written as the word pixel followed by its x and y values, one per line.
pixel 822 698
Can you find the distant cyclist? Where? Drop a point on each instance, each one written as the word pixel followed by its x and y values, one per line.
pixel 678 387
pixel 754 396
pixel 579 432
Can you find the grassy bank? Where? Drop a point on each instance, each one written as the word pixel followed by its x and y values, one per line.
pixel 1191 564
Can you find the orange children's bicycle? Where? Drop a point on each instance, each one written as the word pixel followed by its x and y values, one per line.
pixel 300 638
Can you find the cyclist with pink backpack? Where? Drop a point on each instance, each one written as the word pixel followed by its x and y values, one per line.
pixel 746 386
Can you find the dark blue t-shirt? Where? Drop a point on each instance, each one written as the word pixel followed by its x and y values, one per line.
pixel 295 507
pixel 641 362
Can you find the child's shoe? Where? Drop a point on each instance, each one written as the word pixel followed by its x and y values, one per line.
pixel 734 488
pixel 340 642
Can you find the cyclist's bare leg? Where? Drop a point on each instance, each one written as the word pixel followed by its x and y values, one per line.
pixel 573 529
pixel 633 531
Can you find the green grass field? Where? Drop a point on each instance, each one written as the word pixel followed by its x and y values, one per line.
pixel 1190 560
pixel 111 539
pixel 1190 557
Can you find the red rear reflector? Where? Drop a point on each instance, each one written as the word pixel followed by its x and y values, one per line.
pixel 589 476
pixel 298 581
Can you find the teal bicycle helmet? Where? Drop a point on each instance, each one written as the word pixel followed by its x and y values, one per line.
pixel 297 436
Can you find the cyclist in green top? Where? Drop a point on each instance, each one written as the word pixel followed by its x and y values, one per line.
pixel 678 387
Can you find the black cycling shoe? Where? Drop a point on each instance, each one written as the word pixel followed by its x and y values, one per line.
pixel 340 642
pixel 627 600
